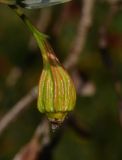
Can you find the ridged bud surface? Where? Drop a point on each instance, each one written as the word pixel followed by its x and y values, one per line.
pixel 57 93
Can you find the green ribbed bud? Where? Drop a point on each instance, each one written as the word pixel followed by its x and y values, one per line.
pixel 57 93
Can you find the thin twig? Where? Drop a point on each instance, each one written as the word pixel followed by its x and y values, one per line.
pixel 81 35
pixel 39 140
pixel 47 152
pixel 17 109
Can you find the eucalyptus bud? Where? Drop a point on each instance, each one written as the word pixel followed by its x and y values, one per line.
pixel 57 93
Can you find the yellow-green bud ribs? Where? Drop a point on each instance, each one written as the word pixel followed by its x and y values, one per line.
pixel 57 94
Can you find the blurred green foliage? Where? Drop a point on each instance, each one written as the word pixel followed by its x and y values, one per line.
pixel 99 113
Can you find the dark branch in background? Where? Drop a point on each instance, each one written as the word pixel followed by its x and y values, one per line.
pixel 103 40
pixel 47 152
pixel 75 124
pixel 106 58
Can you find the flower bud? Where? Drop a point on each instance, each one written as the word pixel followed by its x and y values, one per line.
pixel 57 93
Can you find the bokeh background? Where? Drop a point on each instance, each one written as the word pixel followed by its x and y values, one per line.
pixel 97 110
